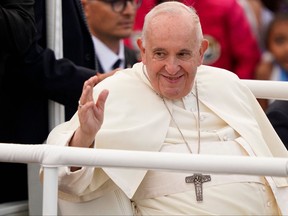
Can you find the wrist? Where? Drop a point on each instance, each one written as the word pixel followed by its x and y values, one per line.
pixel 81 139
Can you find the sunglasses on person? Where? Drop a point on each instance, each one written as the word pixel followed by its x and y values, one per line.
pixel 119 6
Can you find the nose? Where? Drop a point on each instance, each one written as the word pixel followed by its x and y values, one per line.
pixel 172 66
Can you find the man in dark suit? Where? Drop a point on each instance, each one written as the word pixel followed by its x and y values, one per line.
pixel 277 113
pixel 109 23
pixel 36 76
pixel 17 33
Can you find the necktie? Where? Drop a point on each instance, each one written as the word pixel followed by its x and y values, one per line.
pixel 116 64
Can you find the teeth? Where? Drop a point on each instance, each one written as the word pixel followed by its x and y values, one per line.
pixel 172 78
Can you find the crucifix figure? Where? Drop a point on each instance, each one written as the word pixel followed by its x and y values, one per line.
pixel 198 179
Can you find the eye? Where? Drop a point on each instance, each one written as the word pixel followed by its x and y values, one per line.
pixel 279 40
pixel 159 55
pixel 184 55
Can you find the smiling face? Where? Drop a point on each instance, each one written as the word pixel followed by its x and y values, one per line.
pixel 172 50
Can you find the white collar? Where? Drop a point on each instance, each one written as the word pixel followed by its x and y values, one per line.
pixel 106 56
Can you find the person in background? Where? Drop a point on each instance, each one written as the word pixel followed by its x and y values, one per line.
pixel 36 77
pixel 277 69
pixel 277 45
pixel 18 29
pixel 68 74
pixel 171 102
pixel 110 23
pixel 274 65
pixel 277 113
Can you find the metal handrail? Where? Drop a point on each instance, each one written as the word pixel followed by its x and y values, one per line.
pixel 51 157
pixel 268 89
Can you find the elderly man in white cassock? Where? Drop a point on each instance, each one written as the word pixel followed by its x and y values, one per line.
pixel 170 102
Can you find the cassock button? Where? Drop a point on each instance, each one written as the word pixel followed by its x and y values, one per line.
pixel 269 204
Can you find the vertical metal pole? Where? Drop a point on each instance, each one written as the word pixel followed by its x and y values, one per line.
pixel 55 42
pixel 50 191
pixel 56 110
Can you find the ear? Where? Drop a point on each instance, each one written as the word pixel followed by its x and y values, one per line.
pixel 203 48
pixel 142 49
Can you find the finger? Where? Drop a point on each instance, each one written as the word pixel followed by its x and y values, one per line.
pixel 84 97
pixel 108 74
pixel 100 104
pixel 87 90
pixel 92 81
pixel 114 71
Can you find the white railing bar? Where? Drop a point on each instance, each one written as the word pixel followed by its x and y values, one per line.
pixel 53 156
pixel 268 89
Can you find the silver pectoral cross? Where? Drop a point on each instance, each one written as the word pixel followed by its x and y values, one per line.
pixel 198 179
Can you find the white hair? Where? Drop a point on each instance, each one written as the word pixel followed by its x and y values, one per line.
pixel 173 8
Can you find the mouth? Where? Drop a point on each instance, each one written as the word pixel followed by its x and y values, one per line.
pixel 126 24
pixel 172 78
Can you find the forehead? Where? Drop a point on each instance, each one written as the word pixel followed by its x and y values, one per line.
pixel 171 29
pixel 172 20
pixel 280 26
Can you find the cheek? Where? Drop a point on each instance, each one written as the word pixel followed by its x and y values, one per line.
pixel 153 65
pixel 277 50
pixel 143 59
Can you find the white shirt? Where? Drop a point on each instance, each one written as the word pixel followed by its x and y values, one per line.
pixel 106 56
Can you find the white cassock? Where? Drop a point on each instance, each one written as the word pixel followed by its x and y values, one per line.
pixel 137 119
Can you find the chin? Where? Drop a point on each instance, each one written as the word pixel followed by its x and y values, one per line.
pixel 173 96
